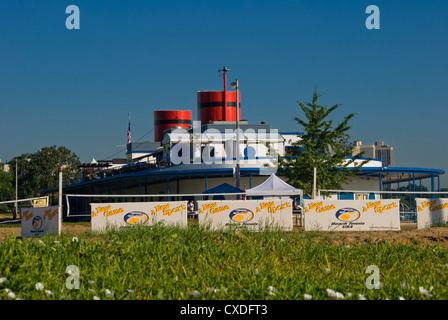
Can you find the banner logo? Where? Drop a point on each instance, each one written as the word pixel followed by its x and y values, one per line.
pixel 135 217
pixel 347 214
pixel 241 215
pixel 37 223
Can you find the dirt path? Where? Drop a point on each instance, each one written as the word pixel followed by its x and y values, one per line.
pixel 74 229
pixel 407 235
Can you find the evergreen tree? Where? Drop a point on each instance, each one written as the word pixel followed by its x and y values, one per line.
pixel 324 146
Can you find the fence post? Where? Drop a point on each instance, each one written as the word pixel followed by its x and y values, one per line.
pixel 60 202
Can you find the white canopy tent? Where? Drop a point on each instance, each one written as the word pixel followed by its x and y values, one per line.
pixel 274 186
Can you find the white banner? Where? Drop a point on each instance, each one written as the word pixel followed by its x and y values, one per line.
pixel 37 222
pixel 255 215
pixel 430 211
pixel 352 215
pixel 130 213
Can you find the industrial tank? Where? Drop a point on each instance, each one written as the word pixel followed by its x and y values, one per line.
pixel 166 119
pixel 211 106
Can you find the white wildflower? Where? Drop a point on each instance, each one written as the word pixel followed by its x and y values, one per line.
pixel 196 293
pixel 91 281
pixel 39 286
pixel 339 296
pixel 130 291
pixel 3 279
pixel 327 270
pixel 41 242
pixel 331 293
pixel 404 286
pixel 424 292
pixel 48 293
pixel 257 272
pixel 11 295
pixel 334 294
pixel 272 290
pixel 108 293
pixel 361 297
pixel 96 298
pixel 56 242
pixel 307 296
pixel 401 298
pixel 75 239
pixel 349 294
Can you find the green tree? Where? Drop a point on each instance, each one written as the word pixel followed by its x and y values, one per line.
pixel 324 146
pixel 6 190
pixel 40 170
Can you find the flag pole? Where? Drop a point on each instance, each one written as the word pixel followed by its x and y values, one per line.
pixel 60 202
pixel 128 144
pixel 129 127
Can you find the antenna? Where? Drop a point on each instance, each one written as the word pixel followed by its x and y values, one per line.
pixel 224 70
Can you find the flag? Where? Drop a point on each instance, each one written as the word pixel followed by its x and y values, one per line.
pixel 129 127
pixel 129 133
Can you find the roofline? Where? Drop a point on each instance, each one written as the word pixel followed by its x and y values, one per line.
pixel 404 170
pixel 428 172
pixel 292 132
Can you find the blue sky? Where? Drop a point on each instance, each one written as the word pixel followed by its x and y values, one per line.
pixel 75 87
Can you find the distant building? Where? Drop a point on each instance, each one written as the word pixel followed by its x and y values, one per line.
pixel 369 150
pixel 385 153
pixel 142 150
pixel 4 166
pixel 378 150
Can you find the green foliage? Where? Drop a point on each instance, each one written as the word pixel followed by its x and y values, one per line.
pixel 6 190
pixel 196 263
pixel 40 170
pixel 324 146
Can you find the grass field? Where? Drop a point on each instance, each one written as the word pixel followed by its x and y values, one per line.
pixel 195 263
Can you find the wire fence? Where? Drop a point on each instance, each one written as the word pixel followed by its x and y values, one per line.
pixel 74 207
